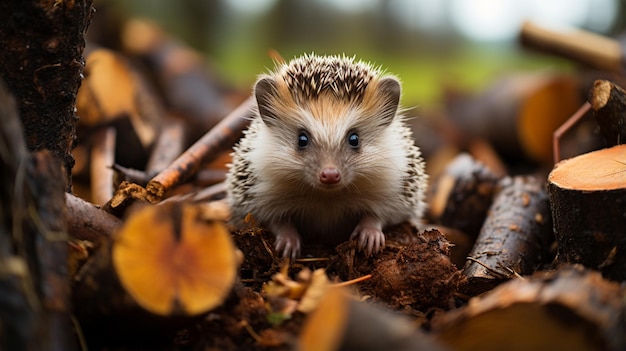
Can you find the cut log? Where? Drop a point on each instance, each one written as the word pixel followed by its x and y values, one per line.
pixel 342 323
pixel 515 237
pixel 588 199
pixel 609 109
pixel 519 113
pixel 165 265
pixel 571 309
pixel 462 195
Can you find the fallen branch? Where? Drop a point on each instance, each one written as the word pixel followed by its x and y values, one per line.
pixel 86 221
pixel 222 136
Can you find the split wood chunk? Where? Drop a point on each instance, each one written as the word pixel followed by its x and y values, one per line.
pixel 342 323
pixel 514 238
pixel 588 198
pixel 609 105
pixel 170 260
pixel 102 159
pixel 570 309
pixel 114 93
pixel 168 146
pixel 462 195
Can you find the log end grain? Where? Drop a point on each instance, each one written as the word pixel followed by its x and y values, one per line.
pixel 171 261
pixel 600 170
pixel 600 94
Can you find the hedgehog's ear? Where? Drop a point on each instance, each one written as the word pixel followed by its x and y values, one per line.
pixel 389 94
pixel 265 91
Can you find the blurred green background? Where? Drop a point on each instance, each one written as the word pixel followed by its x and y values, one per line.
pixel 432 45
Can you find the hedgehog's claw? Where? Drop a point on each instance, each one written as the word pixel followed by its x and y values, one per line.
pixel 370 235
pixel 287 241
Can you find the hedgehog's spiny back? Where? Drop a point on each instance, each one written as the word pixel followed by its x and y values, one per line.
pixel 310 75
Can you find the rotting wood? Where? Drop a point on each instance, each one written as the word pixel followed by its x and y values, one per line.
pixel 588 200
pixel 515 237
pixel 102 159
pixel 569 309
pixel 126 195
pixel 414 270
pixel 609 109
pixel 86 221
pixel 42 45
pixel 222 136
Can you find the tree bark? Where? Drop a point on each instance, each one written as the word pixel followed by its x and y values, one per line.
pixel 34 289
pixel 514 238
pixel 41 62
pixel 609 108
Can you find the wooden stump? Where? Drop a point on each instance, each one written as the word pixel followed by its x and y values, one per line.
pixel 588 198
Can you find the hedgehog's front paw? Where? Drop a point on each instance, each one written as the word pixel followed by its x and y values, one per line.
pixel 369 234
pixel 287 241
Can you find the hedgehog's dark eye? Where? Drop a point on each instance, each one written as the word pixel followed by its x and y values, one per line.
pixel 303 140
pixel 353 140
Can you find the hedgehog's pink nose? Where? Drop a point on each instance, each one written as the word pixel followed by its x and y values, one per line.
pixel 330 175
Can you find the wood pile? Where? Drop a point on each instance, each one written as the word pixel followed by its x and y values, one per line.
pixel 128 247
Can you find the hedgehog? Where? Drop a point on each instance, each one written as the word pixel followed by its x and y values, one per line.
pixel 328 156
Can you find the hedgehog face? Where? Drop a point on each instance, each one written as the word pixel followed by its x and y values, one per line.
pixel 328 130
